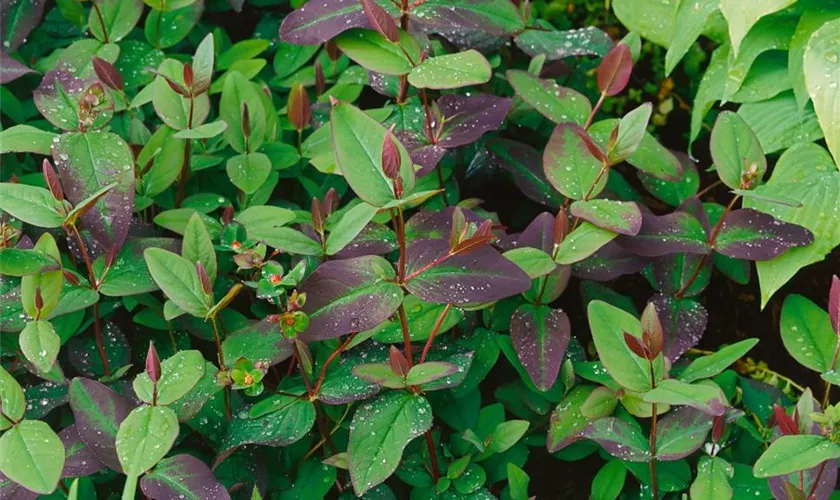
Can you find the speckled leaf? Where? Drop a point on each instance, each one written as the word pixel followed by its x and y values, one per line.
pixel 585 240
pixel 290 421
pixel 182 477
pixel 84 356
pixel 179 375
pixel 40 344
pixel 661 235
pixel 735 149
pixel 17 19
pixel 456 19
pixel 524 164
pixel 129 275
pixel 793 453
pixel 558 104
pixel 421 317
pixel 145 436
pixel 620 439
pixel 618 216
pixel 380 430
pixel 713 364
pixel 608 263
pixel 98 412
pixel 540 336
pixel 32 455
pixel 822 70
pixel 673 192
pixel 320 21
pixel 573 163
pixel 649 157
pixel 79 458
pixel 807 333
pixel 58 95
pixel 749 234
pixel 262 341
pixel 683 323
pixel 707 398
pixel 555 45
pixel 451 71
pixel 481 275
pixel 469 117
pixel 681 432
pixel 345 296
pixel 567 422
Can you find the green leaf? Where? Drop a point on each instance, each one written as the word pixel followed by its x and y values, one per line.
pixel 261 341
pixel 822 72
pixel 778 124
pixel 735 149
pixel 518 482
pixel 376 53
pixel 173 108
pixel 197 246
pixel 31 204
pixel 583 242
pixel 533 261
pixel 741 17
pixel 40 344
pixel 713 364
pixel 248 171
pixel 807 333
pixel 178 279
pixel 12 398
pixel 290 420
pixel 707 398
pixel 710 89
pixel 608 325
pixel 204 131
pixel 380 430
pixel 429 371
pixel 558 104
pixel 179 374
pixel 689 24
pixel 291 241
pixel 20 261
pixel 165 29
pixel 26 139
pixel 451 71
pixel 505 435
pixel 117 17
pixel 618 216
pixel 32 455
pixel 794 453
pixel 631 132
pixel 811 21
pixel 129 274
pixel 712 481
pixel 262 220
pixel 245 49
pixel 50 282
pixel 567 422
pixel 358 140
pixel 239 92
pixel 379 374
pixel 609 481
pixel 349 226
pixel 571 164
pixel 145 436
pixel 769 34
pixel 654 20
pixel 202 64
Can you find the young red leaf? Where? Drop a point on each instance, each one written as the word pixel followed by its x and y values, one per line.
pixel 298 107
pixel 834 304
pixel 637 346
pixel 106 72
pixel 204 278
pixel 317 217
pixel 399 364
pixel 330 203
pixel 333 52
pixel 189 78
pixel 459 227
pixel 614 72
pixel 784 421
pixel 381 20
pixel 320 79
pixel 391 161
pixel 246 121
pixel 652 330
pixel 718 426
pixel 153 368
pixel 39 299
pixel 53 182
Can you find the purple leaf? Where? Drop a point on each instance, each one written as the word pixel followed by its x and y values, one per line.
pixel 468 118
pixel 17 19
pixel 620 439
pixel 615 69
pixel 374 239
pixel 608 263
pixel 540 336
pixel 98 412
pixel 683 324
pixel 10 490
pixel 479 276
pixel 174 477
pixel 57 97
pixel 623 217
pixel 11 69
pixel 538 234
pixel 827 477
pixel 80 461
pixel 421 151
pixel 681 432
pixel 560 44
pixel 319 21
pixel 87 163
pixel 83 353
pixel 524 164
pixel 469 22
pixel 834 304
pixel 670 273
pixel 352 295
pixel 666 234
pixel 753 235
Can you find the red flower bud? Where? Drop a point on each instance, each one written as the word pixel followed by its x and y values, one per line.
pixel 153 363
pixel 298 107
pixel 391 160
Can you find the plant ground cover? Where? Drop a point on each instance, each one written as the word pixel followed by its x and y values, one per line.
pixel 456 249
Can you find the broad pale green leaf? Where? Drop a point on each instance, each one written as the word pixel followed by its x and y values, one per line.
pixel 40 344
pixel 794 453
pixel 239 92
pixel 778 124
pixel 20 262
pixel 205 131
pixel 771 33
pixel 12 399
pixel 349 226
pixel 292 241
pixel 822 74
pixel 145 436
pixel 357 142
pixel 179 374
pixel 245 49
pixel 807 333
pixel 654 20
pixel 31 204
pixel 26 139
pixel 32 455
pixel 805 173
pixel 811 21
pixel 533 261
pixel 735 149
pixel 608 325
pixel 261 220
pixel 713 364
pixel 248 171
pixel 707 398
pixel 712 481
pixel 585 240
pixel 742 16
pixel 376 53
pixel 197 246
pixel 380 430
pixel 710 90
pixel 609 481
pixel 690 21
pixel 451 71
pixel 558 104
pixel 631 131
pixel 178 279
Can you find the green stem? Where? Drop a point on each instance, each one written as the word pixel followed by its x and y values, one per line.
pixel 654 484
pixel 130 488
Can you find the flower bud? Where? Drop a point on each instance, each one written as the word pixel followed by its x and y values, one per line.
pixel 153 369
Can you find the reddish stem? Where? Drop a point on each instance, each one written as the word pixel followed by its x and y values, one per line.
pixel 434 333
pixel 329 360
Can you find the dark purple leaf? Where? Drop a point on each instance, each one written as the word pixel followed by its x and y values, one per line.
pixel 540 336
pixel 11 69
pixel 560 44
pixel 524 164
pixel 666 234
pixel 468 22
pixel 619 438
pixel 468 118
pixel 615 69
pixel 57 97
pixel 834 304
pixel 87 163
pixel 352 295
pixel 80 459
pixel 608 263
pixel 422 152
pixel 538 234
pixel 261 341
pixel 681 432
pixel 479 276
pixel 670 273
pixel 381 20
pixel 109 75
pixel 182 476
pixel 623 217
pixel 83 353
pixel 826 487
pixel 753 235
pixel 683 324
pixel 316 22
pixel 12 491
pixel 694 206
pixel 17 19
pixel 374 239
pixel 98 412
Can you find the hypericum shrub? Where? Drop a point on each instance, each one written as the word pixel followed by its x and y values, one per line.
pixel 224 279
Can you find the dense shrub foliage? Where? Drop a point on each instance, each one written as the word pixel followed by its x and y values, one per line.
pixel 224 278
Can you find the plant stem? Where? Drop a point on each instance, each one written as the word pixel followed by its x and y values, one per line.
pixel 406 335
pixel 594 111
pixel 185 168
pixel 827 393
pixel 654 484
pixel 430 443
pixel 329 360
pixel 130 488
pixel 816 482
pixel 221 357
pixel 434 333
pixel 101 21
pixel 100 345
pixel 399 227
